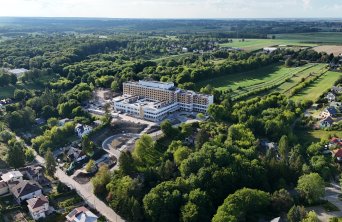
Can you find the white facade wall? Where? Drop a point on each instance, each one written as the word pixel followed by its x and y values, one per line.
pixel 30 195
pixel 39 213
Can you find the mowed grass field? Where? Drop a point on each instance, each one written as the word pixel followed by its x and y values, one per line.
pixel 316 37
pixel 313 91
pixel 256 44
pixel 281 77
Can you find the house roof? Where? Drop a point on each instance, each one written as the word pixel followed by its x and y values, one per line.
pixel 10 175
pixel 23 188
pixel 81 214
pixel 3 184
pixel 337 153
pixel 328 120
pixel 37 202
pixel 332 110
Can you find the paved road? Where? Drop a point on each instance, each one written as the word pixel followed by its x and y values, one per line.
pixel 85 193
pixel 331 194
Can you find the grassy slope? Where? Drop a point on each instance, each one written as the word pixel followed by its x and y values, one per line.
pixel 306 74
pixel 313 91
pixel 314 136
pixel 250 78
pixel 319 37
pixel 255 44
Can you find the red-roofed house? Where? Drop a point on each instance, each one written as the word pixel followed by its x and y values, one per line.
pixel 38 206
pixel 338 154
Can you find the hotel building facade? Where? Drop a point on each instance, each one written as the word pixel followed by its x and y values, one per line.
pixel 154 100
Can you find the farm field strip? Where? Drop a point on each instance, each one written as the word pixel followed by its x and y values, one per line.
pixel 273 82
pixel 316 37
pixel 314 90
pixel 256 44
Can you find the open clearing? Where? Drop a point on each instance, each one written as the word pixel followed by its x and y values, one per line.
pixel 316 37
pixel 280 78
pixel 313 91
pixel 334 49
pixel 256 44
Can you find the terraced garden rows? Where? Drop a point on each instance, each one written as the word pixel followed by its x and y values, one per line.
pixel 247 90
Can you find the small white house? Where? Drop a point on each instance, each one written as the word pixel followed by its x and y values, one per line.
pixel 81 214
pixel 12 176
pixel 38 207
pixel 25 190
pixel 82 130
pixel 330 97
pixel 185 49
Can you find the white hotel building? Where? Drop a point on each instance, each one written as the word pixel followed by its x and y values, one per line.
pixel 154 100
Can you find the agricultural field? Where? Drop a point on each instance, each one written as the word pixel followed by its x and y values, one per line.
pixel 281 78
pixel 317 37
pixel 256 44
pixel 334 49
pixel 316 89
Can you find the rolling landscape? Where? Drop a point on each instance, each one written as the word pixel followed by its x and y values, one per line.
pixel 167 111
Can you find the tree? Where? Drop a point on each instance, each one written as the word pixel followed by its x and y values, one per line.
pixel 169 131
pixel 15 154
pixel 198 208
pixel 311 217
pixel 181 154
pixel 311 187
pixel 145 151
pixel 163 202
pixel 50 163
pixel 241 205
pixel 90 166
pixel 217 112
pixel 126 163
pixel 281 201
pixel 283 147
pixel 296 213
pixel 101 179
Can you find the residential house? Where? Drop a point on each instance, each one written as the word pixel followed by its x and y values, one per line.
pixel 12 176
pixel 326 123
pixel 75 154
pixel 337 154
pixel 336 142
pixel 40 121
pixel 81 214
pixel 184 49
pixel 62 122
pixel 38 207
pixel 336 89
pixel 25 190
pixel 337 106
pixel 35 172
pixel 3 188
pixel 330 111
pixel 98 122
pixel 82 130
pixel 330 97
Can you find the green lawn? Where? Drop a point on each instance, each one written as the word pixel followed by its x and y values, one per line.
pixel 317 37
pixel 256 44
pixel 7 91
pixel 305 75
pixel 316 89
pixel 314 136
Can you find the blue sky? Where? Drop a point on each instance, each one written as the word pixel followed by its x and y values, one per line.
pixel 174 8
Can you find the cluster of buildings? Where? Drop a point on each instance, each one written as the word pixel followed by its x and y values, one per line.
pixel 29 191
pixel 26 186
pixel 329 114
pixel 154 100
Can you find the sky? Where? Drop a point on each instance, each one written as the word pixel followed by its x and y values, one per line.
pixel 173 8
